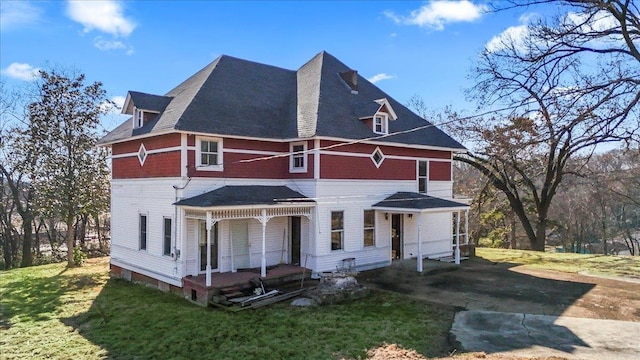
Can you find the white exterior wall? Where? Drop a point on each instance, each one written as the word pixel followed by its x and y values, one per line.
pixel 154 198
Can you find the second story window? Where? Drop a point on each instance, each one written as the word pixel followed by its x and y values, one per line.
pixel 298 157
pixel 380 124
pixel 422 177
pixel 209 154
pixel 139 118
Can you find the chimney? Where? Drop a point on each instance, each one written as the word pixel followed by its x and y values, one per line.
pixel 350 77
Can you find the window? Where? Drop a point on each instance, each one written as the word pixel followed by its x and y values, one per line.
pixel 369 228
pixel 142 154
pixel 337 230
pixel 422 177
pixel 209 154
pixel 139 117
pixel 143 232
pixel 377 157
pixel 298 158
pixel 166 244
pixel 380 124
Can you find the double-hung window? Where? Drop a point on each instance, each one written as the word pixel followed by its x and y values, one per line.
pixel 380 124
pixel 298 158
pixel 143 232
pixel 422 177
pixel 369 228
pixel 166 240
pixel 139 118
pixel 209 154
pixel 337 230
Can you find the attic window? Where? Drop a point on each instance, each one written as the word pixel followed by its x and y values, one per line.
pixel 377 157
pixel 139 118
pixel 142 154
pixel 381 124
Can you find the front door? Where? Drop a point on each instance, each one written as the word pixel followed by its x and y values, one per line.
pixel 396 236
pixel 295 239
pixel 203 246
pixel 240 244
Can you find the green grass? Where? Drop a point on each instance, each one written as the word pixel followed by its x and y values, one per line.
pixel 625 266
pixel 53 312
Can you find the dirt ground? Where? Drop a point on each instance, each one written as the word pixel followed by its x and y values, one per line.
pixel 482 285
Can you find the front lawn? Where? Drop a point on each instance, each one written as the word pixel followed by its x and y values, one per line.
pixel 625 266
pixel 53 312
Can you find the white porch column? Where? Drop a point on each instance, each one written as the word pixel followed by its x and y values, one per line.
pixel 233 265
pixel 466 227
pixel 263 221
pixel 208 231
pixel 457 251
pixel 419 242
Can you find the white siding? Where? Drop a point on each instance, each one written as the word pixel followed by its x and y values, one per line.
pixel 441 189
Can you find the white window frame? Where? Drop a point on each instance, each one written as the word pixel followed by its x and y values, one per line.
pixel 341 231
pixel 164 235
pixel 293 157
pixel 384 123
pixel 220 153
pixel 366 228
pixel 426 176
pixel 138 118
pixel 373 159
pixel 146 231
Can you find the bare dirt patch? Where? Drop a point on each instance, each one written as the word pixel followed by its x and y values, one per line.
pixel 505 287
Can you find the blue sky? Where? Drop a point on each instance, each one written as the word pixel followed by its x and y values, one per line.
pixel 423 48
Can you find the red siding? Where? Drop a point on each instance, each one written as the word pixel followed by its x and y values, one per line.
pixel 152 143
pixel 340 167
pixel 388 150
pixel 255 145
pixel 440 170
pixel 156 165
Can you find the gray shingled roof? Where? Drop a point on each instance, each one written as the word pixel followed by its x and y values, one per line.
pixel 150 102
pixel 416 201
pixel 244 195
pixel 232 96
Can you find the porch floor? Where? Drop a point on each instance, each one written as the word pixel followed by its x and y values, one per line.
pixel 276 274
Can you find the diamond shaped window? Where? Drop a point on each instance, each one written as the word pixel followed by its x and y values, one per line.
pixel 377 157
pixel 142 154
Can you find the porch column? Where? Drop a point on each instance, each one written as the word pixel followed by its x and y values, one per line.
pixel 419 242
pixel 263 220
pixel 457 251
pixel 208 232
pixel 466 227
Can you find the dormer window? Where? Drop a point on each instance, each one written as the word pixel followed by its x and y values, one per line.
pixel 381 124
pixel 138 118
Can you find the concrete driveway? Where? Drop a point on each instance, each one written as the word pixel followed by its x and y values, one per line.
pixel 546 336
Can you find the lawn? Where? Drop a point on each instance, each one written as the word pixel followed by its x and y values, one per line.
pixel 624 266
pixel 53 312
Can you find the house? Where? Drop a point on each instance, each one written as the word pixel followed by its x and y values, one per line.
pixel 246 165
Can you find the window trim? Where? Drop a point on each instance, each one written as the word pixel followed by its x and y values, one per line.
pixel 138 118
pixel 426 176
pixel 292 157
pixel 220 153
pixel 366 228
pixel 164 235
pixel 382 157
pixel 141 232
pixel 340 230
pixel 384 124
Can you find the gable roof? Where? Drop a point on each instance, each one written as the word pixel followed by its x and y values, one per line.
pixel 232 96
pixel 145 102
pixel 244 196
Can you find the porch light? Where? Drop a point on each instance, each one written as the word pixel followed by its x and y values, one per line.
pixel 386 216
pixel 410 216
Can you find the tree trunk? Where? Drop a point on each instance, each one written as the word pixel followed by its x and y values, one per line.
pixel 513 222
pixel 541 236
pixel 70 241
pixel 27 234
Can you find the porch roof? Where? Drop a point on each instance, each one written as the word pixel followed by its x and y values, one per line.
pixel 245 196
pixel 416 202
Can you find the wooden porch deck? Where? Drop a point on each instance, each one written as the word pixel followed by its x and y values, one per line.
pixel 275 275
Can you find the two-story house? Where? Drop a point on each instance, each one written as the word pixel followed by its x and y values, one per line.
pixel 246 165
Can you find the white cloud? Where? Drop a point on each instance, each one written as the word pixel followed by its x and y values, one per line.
pixel 379 77
pixel 119 100
pixel 20 71
pixel 110 108
pixel 106 45
pixel 104 16
pixel 14 14
pixel 436 14
pixel 512 36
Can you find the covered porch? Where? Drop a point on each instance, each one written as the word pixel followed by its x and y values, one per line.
pixel 420 205
pixel 244 213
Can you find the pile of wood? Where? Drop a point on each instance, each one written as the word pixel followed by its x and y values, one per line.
pixel 250 296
